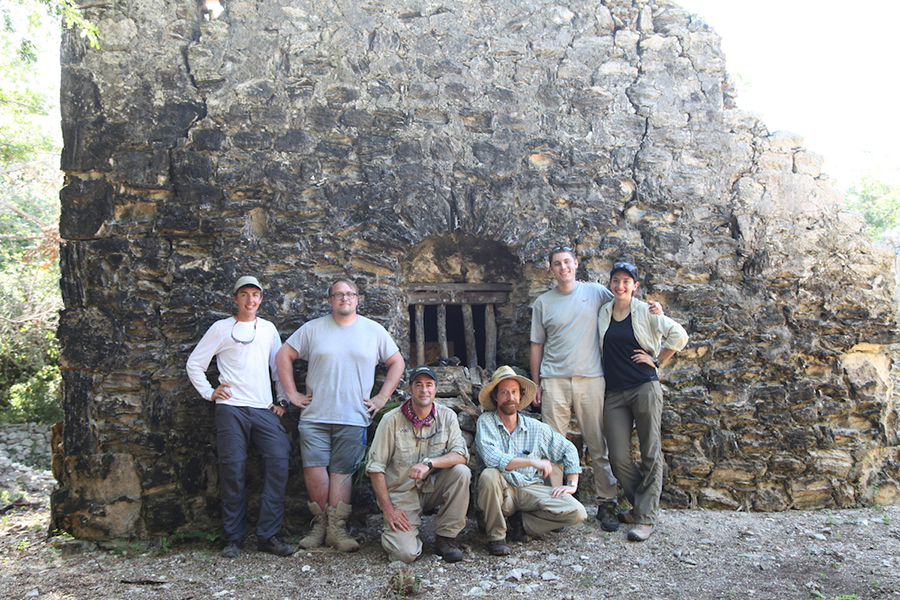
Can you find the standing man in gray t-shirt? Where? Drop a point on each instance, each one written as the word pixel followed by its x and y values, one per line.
pixel 565 363
pixel 342 350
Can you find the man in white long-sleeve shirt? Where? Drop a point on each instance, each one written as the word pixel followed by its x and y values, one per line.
pixel 245 348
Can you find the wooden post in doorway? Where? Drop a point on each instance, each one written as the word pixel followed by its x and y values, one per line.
pixel 420 334
pixel 490 338
pixel 469 326
pixel 442 330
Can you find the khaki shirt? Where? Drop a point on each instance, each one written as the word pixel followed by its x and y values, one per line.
pixel 398 446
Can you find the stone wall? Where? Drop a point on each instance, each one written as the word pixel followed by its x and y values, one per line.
pixel 404 142
pixel 25 443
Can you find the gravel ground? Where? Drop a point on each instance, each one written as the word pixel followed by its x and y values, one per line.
pixel 700 554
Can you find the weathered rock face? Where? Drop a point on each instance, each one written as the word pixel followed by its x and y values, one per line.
pixel 452 142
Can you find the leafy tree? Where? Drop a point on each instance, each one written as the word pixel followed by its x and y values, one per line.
pixel 878 201
pixel 29 312
pixel 30 179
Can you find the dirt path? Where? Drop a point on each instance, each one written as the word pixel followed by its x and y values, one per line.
pixel 694 555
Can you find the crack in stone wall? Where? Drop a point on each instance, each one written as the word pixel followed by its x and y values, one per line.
pixel 301 141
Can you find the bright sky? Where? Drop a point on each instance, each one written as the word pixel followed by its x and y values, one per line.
pixel 828 71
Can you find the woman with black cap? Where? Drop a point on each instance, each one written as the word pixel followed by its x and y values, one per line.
pixel 633 343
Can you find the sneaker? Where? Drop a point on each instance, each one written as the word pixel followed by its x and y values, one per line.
pixel 275 545
pixel 231 550
pixel 498 547
pixel 606 514
pixel 515 529
pixel 448 549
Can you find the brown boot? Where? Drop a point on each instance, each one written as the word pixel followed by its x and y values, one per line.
pixel 336 535
pixel 448 549
pixel 316 535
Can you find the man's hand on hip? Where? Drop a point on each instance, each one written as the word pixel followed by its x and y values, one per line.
pixel 374 404
pixel 299 400
pixel 221 393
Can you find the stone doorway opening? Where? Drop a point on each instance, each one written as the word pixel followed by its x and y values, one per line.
pixel 462 296
pixel 455 324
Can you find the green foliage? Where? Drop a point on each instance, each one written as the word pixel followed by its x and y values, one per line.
pixel 30 142
pixel 29 312
pixel 35 400
pixel 26 99
pixel 878 201
pixel 29 211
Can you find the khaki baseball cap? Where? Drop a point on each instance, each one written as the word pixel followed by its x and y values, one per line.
pixel 245 281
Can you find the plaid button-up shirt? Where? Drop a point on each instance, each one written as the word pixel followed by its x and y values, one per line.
pixel 530 439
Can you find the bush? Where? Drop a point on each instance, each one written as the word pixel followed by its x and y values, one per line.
pixel 35 400
pixel 878 201
pixel 29 313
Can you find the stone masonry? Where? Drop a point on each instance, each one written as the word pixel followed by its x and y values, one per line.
pixel 405 142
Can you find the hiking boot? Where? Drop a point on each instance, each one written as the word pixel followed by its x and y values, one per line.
pixel 498 547
pixel 640 532
pixel 231 550
pixel 606 514
pixel 319 523
pixel 336 534
pixel 515 529
pixel 448 549
pixel 275 545
pixel 626 517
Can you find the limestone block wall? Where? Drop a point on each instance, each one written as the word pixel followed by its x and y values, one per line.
pixel 401 142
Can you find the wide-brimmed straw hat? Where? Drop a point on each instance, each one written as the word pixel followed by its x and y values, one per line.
pixel 528 386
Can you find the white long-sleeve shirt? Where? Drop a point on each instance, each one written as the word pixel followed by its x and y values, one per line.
pixel 246 367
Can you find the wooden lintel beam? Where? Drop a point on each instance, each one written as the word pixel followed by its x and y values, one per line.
pixel 458 298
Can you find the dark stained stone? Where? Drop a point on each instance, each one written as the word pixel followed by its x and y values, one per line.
pixel 85 205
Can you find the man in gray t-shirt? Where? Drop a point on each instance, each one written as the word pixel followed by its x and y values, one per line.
pixel 565 363
pixel 342 350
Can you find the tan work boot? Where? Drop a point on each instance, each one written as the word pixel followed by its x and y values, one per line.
pixel 336 535
pixel 316 535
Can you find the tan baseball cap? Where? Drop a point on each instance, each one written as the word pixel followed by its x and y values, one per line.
pixel 245 281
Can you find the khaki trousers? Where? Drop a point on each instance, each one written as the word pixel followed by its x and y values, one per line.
pixel 451 489
pixel 560 397
pixel 638 408
pixel 541 513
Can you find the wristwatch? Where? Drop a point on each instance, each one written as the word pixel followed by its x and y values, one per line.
pixel 427 462
pixel 572 483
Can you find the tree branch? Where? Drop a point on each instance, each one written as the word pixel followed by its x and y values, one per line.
pixel 23 214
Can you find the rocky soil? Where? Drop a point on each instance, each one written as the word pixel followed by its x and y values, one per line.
pixel 701 554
